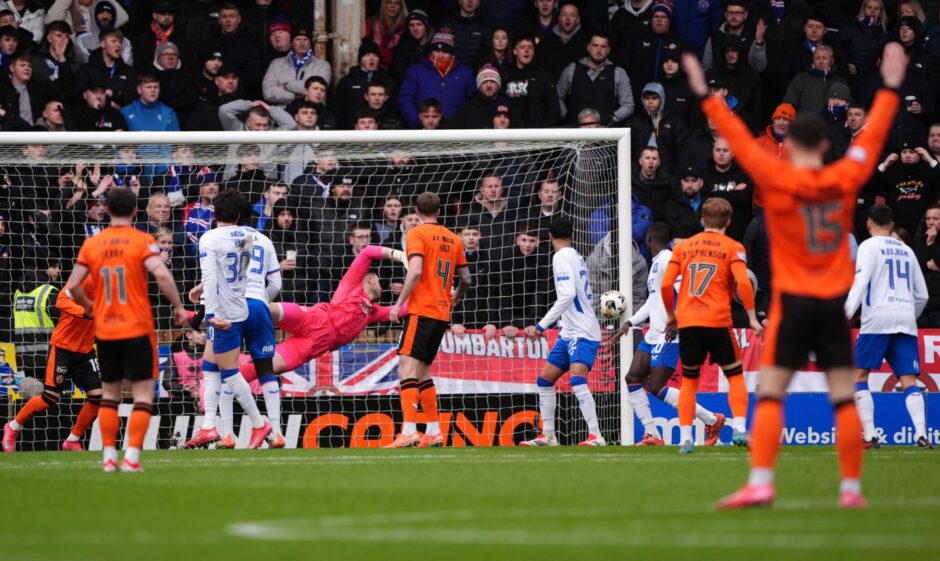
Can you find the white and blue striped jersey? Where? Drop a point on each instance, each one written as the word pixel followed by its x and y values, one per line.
pixel 889 285
pixel 224 260
pixel 264 272
pixel 654 309
pixel 574 308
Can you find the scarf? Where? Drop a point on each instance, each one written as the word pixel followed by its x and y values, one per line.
pixel 161 35
pixel 821 72
pixel 780 9
pixel 442 67
pixel 299 63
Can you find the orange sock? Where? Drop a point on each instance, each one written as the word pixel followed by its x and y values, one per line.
pixel 33 407
pixel 86 416
pixel 138 425
pixel 765 433
pixel 428 397
pixel 687 394
pixel 108 422
pixel 410 395
pixel 848 444
pixel 737 396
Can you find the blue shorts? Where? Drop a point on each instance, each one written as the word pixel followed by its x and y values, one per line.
pixel 224 340
pixel 899 349
pixel 665 355
pixel 259 330
pixel 565 353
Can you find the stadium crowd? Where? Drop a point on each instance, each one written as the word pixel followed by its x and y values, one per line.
pixel 82 65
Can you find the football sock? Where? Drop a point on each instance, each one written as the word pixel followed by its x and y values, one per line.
pixel 641 407
pixel 109 423
pixel 687 407
pixel 866 409
pixel 33 407
pixel 86 417
pixel 427 394
pixel 410 397
pixel 272 402
pixel 586 403
pixel 547 404
pixel 914 401
pixel 137 430
pixel 234 380
pixel 737 399
pixel 227 411
pixel 671 396
pixel 848 445
pixel 212 386
pixel 765 440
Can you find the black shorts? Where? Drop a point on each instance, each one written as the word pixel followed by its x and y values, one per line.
pixel 799 325
pixel 128 359
pixel 421 337
pixel 65 365
pixel 718 343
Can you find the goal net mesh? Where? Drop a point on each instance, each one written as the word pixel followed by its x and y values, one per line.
pixel 320 204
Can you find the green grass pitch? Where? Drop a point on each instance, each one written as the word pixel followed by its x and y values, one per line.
pixel 455 504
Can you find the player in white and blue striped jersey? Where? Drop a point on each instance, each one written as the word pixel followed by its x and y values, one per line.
pixel 657 355
pixel 225 257
pixel 890 287
pixel 578 339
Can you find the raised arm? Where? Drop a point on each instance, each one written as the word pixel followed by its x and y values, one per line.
pixel 360 266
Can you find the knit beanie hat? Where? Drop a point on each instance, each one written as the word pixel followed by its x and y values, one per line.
pixel 443 40
pixel 784 111
pixel 488 72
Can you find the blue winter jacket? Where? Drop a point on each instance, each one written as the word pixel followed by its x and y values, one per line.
pixel 695 20
pixel 423 81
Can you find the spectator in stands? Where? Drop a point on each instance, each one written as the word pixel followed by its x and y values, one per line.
pixel 105 14
pixel 226 89
pixel 285 77
pixel 205 78
pixel 237 48
pixel 587 83
pixel 331 220
pixel 678 97
pixel 105 65
pixel 737 26
pixel 53 61
pixel 95 114
pixel 629 21
pixel 651 185
pixel 24 37
pixel 471 33
pixel 653 126
pixel 441 74
pixel 490 209
pixel 413 44
pixel 796 52
pixel 863 40
pixel 53 118
pixel 263 210
pixel 162 30
pixel 147 112
pixel 431 114
pixel 28 98
pixel 928 256
pixel 476 309
pixel 28 16
pixel 279 34
pixel 776 132
pixel 933 141
pixel 499 54
pixel 695 20
pixel 683 212
pixel 258 18
pixel 386 29
pixel 315 90
pixel 160 215
pixel 9 43
pixel 289 244
pixel 530 88
pixel 80 15
pixel 351 90
pixel 740 79
pixel 642 57
pixel 96 220
pixel 177 89
pixel 501 117
pixel 199 214
pixel 545 207
pixel 808 90
pixel 478 112
pixel 381 103
pixel 314 185
pixel 523 276
pixel 565 45
pixel 842 134
pixel 725 179
pixel 251 177
pixel 366 120
pixel 908 183
pixel 387 222
pixel 333 265
pixel 244 115
pixel 541 21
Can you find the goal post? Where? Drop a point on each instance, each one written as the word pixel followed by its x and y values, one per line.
pixel 484 374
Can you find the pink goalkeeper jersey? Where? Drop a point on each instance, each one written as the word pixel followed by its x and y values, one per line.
pixel 350 310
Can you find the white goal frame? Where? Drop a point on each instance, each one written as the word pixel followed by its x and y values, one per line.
pixel 624 186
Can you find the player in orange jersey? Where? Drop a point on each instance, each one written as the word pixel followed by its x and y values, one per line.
pixel 117 260
pixel 71 358
pixel 810 209
pixel 710 264
pixel 435 257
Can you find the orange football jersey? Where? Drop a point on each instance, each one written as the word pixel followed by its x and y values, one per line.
pixel 74 332
pixel 442 251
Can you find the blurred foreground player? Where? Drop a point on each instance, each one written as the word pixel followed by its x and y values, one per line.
pixel 711 264
pixel 71 358
pixel 891 289
pixel 578 340
pixel 117 260
pixel 809 209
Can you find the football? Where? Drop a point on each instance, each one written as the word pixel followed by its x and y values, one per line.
pixel 613 303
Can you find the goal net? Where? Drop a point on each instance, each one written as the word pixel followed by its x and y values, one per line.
pixel 321 198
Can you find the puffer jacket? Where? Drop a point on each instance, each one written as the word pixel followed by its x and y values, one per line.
pixel 423 81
